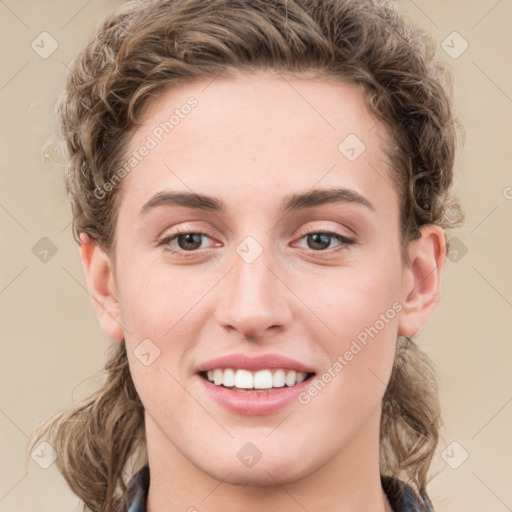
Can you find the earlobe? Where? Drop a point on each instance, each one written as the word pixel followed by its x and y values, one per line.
pixel 101 285
pixel 421 283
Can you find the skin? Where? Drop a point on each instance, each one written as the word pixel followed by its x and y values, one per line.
pixel 250 142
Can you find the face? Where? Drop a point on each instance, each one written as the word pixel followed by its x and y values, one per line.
pixel 303 294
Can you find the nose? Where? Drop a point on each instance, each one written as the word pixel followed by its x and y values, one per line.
pixel 254 300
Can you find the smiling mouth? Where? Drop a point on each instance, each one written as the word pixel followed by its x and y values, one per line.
pixel 258 381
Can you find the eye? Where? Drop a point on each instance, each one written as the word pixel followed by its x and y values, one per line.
pixel 319 241
pixel 185 242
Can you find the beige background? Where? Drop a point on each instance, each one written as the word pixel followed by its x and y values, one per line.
pixel 51 341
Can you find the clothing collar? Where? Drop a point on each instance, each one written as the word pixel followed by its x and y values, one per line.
pixel 401 496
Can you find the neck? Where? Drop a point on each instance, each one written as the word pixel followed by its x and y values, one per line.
pixel 348 482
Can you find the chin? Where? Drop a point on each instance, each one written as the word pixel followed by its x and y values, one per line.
pixel 266 475
pixel 268 471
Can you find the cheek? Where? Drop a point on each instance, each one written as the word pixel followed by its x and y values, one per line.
pixel 160 308
pixel 361 312
pixel 352 300
pixel 156 299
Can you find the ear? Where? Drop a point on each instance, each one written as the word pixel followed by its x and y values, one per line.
pixel 102 288
pixel 421 281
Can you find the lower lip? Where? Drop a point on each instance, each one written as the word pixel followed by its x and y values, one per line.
pixel 254 403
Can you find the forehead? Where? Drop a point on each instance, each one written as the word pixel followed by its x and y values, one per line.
pixel 258 133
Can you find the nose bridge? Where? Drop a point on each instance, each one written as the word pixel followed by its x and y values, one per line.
pixel 255 298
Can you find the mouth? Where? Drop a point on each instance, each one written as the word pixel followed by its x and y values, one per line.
pixel 244 381
pixel 254 385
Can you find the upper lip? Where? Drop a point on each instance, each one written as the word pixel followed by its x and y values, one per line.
pixel 262 362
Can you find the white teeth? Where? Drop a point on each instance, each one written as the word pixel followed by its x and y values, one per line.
pixel 262 379
pixel 301 377
pixel 291 378
pixel 229 378
pixel 218 376
pixel 279 379
pixel 243 379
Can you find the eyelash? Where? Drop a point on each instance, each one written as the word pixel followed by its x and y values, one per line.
pixel 345 242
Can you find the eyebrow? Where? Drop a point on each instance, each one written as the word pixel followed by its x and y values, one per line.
pixel 292 202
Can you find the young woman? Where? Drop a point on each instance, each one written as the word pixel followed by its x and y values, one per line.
pixel 260 191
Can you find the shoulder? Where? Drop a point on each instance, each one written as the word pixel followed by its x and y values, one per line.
pixel 403 498
pixel 400 495
pixel 137 490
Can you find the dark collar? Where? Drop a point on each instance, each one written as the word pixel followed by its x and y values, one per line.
pixel 401 496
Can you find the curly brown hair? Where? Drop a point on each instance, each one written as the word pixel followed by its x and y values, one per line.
pixel 147 46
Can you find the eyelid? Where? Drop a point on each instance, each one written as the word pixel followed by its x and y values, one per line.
pixel 167 238
pixel 344 244
pixel 350 235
